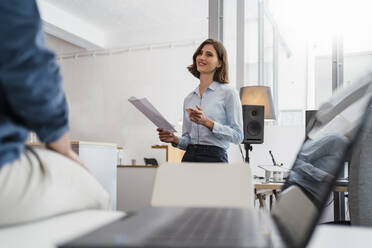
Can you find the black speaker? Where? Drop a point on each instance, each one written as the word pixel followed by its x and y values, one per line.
pixel 253 124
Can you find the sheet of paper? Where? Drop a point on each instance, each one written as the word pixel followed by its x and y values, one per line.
pixel 151 113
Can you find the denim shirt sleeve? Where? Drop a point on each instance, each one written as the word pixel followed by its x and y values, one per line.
pixel 232 131
pixel 309 171
pixel 29 75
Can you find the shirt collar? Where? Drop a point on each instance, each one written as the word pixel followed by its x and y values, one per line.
pixel 213 87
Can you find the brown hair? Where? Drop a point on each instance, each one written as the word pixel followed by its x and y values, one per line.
pixel 221 74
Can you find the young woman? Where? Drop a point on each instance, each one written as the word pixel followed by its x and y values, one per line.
pixel 212 112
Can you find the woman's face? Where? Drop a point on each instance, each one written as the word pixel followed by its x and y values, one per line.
pixel 207 60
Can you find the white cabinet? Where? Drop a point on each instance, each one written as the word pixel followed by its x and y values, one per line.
pixel 101 160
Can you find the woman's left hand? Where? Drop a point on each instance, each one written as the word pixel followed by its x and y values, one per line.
pixel 197 115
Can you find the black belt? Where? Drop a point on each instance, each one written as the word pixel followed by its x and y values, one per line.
pixel 197 147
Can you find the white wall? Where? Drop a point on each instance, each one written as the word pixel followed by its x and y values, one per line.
pixel 97 90
pixel 283 141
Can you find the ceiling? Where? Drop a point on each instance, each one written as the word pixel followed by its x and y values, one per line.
pixel 114 23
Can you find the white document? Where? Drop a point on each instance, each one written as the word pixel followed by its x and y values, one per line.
pixel 151 113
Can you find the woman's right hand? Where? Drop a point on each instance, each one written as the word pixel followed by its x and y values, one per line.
pixel 166 136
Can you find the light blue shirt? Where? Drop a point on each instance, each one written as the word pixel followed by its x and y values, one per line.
pixel 221 104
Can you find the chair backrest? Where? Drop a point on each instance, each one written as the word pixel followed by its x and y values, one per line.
pixel 360 179
pixel 203 185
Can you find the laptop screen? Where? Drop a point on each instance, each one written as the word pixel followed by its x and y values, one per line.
pixel 320 160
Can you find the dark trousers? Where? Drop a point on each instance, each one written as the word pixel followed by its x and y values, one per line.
pixel 204 153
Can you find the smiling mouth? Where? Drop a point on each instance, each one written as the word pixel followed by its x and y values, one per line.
pixel 201 64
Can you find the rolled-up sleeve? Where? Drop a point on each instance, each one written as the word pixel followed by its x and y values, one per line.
pixel 232 131
pixel 309 171
pixel 28 72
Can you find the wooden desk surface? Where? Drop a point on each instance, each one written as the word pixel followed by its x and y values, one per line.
pixel 78 143
pixel 271 186
pixel 159 146
pixel 277 186
pixel 137 166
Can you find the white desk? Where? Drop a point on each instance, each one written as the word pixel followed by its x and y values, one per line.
pixel 341 236
pixel 56 230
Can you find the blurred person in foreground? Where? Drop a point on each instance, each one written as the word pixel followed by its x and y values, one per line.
pixel 36 183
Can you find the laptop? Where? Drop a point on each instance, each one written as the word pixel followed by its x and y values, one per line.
pixel 291 222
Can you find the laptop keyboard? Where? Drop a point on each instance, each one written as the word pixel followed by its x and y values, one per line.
pixel 183 227
pixel 212 227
